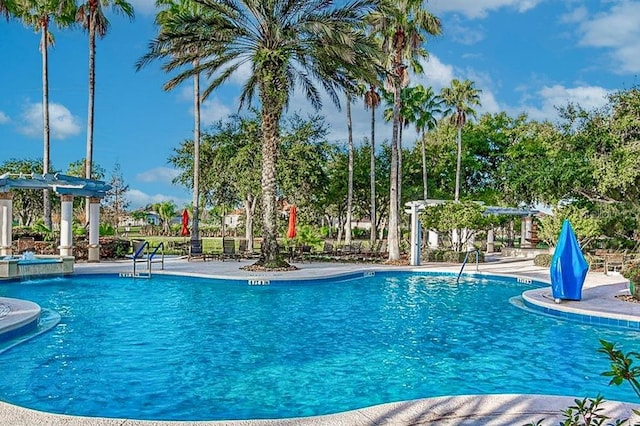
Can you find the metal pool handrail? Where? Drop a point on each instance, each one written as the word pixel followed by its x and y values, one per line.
pixel 464 262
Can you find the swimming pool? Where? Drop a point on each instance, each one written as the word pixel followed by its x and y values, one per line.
pixel 180 348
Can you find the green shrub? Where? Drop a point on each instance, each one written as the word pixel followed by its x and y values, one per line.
pixel 114 248
pixel 450 256
pixel 631 271
pixel 106 229
pixel 543 260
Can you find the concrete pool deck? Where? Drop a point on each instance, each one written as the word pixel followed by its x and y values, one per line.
pixel 598 301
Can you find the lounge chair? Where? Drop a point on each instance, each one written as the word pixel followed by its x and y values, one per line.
pixel 195 251
pixel 229 249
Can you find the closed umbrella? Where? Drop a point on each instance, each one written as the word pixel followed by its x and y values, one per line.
pixel 291 232
pixel 185 223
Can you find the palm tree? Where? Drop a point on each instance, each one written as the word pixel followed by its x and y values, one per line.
pixel 405 119
pixel 372 101
pixel 91 18
pixel 424 106
pixel 347 231
pixel 459 98
pixel 166 211
pixel 39 14
pixel 403 26
pixel 165 18
pixel 285 42
pixel 6 8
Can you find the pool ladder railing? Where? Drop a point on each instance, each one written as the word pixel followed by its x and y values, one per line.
pixel 142 254
pixel 464 262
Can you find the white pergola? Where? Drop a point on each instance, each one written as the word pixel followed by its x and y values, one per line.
pixel 415 207
pixel 66 187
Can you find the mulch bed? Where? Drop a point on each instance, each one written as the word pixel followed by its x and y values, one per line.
pixel 260 268
pixel 627 298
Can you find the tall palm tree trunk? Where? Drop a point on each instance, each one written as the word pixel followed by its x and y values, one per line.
pixel 372 236
pixel 347 231
pixel 400 177
pixel 459 160
pixel 271 112
pixel 392 241
pixel 195 231
pixel 424 169
pixel 45 118
pixel 90 110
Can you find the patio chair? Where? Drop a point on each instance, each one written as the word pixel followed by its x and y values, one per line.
pixel 328 250
pixel 229 249
pixel 196 252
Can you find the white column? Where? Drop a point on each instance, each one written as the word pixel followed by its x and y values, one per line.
pixel 490 241
pixel 455 239
pixel 528 229
pixel 66 225
pixel 94 229
pixel 433 239
pixel 416 230
pixel 468 236
pixel 6 224
pixel 525 232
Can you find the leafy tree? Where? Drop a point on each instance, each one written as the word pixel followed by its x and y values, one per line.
pixel 460 98
pixel 463 218
pixel 77 169
pixel 286 42
pixel 302 165
pixel 485 147
pixel 585 226
pixel 27 203
pixel 39 14
pixel 219 146
pixel 403 26
pixel 531 166
pixel 115 202
pixel 90 16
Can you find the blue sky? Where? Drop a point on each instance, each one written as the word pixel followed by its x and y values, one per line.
pixel 525 55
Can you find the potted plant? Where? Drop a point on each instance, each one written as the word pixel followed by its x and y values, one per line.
pixel 631 271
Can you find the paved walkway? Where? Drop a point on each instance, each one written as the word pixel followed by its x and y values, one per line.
pixel 599 301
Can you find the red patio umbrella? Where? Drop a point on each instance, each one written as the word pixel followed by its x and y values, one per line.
pixel 185 223
pixel 291 232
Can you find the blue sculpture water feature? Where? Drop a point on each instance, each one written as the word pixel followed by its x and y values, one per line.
pixel 568 266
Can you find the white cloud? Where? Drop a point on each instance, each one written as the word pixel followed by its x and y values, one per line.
pixel 158 174
pixel 577 15
pixel 618 30
pixel 139 199
pixel 474 9
pixel 588 97
pixel 4 118
pixel 62 123
pixel 436 74
pixel 213 110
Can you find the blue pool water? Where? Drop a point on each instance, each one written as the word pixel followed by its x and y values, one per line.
pixel 179 348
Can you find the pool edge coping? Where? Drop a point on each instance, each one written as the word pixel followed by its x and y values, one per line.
pixel 380 414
